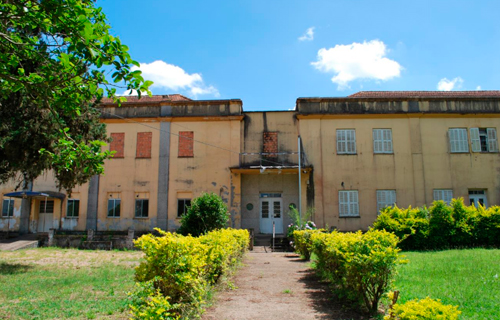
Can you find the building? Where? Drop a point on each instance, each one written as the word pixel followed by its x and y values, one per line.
pixel 358 154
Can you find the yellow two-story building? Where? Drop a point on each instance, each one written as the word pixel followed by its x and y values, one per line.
pixel 344 157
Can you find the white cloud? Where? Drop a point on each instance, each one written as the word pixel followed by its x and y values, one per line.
pixel 365 60
pixel 448 85
pixel 308 35
pixel 171 77
pixel 133 93
pixel 478 88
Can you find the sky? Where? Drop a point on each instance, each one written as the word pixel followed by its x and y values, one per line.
pixel 269 53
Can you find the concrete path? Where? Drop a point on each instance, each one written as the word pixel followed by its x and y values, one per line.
pixel 276 286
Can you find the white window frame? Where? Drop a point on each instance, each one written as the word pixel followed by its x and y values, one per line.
pixel 72 214
pixel 382 141
pixel 490 134
pixel 348 203
pixel 475 195
pixel 346 141
pixel 443 194
pixel 10 208
pixel 385 198
pixel 458 139
pixel 115 205
pixel 140 213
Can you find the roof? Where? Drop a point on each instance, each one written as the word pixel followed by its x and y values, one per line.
pixel 427 94
pixel 155 98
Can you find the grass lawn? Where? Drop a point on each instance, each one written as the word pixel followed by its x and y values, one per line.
pixel 468 278
pixel 48 283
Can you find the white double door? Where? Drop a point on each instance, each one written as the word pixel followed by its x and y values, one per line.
pixel 271 210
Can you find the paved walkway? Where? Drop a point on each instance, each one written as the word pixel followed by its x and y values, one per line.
pixel 276 286
pixel 23 242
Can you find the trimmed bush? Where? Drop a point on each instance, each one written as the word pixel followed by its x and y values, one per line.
pixel 181 268
pixel 442 226
pixel 207 212
pixel 362 266
pixel 302 241
pixel 425 309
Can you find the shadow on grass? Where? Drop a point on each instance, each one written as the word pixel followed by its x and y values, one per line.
pixel 324 301
pixel 13 268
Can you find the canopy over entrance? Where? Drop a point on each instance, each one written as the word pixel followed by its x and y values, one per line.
pixel 35 194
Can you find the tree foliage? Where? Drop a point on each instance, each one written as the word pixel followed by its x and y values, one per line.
pixel 54 59
pixel 206 213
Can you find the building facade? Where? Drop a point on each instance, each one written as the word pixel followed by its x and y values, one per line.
pixel 355 155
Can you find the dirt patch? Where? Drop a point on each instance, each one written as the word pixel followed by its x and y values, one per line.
pixel 277 286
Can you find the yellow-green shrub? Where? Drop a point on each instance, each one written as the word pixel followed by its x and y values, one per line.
pixel 302 241
pixel 181 268
pixel 425 309
pixel 362 266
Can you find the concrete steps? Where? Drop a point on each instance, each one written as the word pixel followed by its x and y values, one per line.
pixel 27 241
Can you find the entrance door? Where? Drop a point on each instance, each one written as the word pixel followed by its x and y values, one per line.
pixel 271 210
pixel 45 212
pixel 477 197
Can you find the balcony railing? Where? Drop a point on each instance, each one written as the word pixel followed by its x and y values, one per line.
pixel 271 159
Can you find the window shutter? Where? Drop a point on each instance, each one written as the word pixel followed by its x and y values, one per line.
pixel 492 140
pixel 388 132
pixel 341 203
pixel 452 136
pixel 353 141
pixel 340 136
pixel 475 140
pixel 464 142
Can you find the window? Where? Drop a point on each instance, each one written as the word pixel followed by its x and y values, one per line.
pixel 477 197
pixel 385 198
pixel 458 140
pixel 114 207
pixel 186 140
pixel 483 140
pixel 348 204
pixel 117 144
pixel 73 209
pixel 382 141
pixel 8 208
pixel 141 208
pixel 443 194
pixel 143 148
pixel 182 205
pixel 346 141
pixel 46 206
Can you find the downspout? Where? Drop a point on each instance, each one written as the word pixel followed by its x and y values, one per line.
pixel 300 184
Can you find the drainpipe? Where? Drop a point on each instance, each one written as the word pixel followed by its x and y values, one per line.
pixel 300 184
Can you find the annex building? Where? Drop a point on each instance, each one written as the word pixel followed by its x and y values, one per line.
pixel 357 155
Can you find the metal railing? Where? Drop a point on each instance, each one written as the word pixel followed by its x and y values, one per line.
pixel 270 159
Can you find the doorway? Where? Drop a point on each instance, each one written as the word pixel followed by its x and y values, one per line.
pixel 477 197
pixel 45 215
pixel 271 211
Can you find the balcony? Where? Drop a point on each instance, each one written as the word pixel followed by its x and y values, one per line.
pixel 271 160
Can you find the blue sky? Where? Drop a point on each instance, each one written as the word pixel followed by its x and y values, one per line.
pixel 261 51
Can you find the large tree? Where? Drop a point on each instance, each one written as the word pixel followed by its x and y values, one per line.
pixel 55 59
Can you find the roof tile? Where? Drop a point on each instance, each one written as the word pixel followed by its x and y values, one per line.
pixel 427 94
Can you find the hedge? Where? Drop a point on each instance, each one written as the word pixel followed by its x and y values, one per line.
pixel 362 266
pixel 425 309
pixel 178 270
pixel 442 226
pixel 302 241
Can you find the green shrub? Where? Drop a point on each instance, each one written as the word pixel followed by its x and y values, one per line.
pixel 148 303
pixel 302 241
pixel 443 226
pixel 410 225
pixel 362 266
pixel 178 270
pixel 207 212
pixel 425 309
